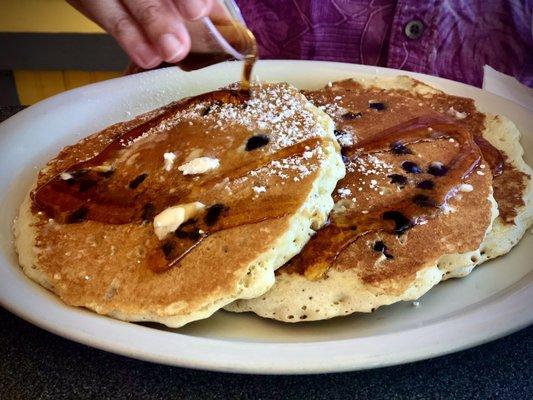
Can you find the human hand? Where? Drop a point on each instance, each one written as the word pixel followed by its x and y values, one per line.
pixel 150 31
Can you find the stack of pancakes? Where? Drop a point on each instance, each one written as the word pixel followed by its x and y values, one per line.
pixel 297 207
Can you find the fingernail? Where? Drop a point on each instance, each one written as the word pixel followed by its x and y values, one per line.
pixel 170 47
pixel 146 57
pixel 193 9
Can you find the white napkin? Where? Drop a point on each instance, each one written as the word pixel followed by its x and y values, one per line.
pixel 508 87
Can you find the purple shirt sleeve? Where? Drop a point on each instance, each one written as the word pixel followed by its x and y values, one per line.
pixel 448 38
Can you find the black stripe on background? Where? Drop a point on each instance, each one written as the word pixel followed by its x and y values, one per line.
pixel 8 90
pixel 60 51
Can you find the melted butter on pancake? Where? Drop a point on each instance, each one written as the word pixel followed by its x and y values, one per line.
pixel 199 165
pixel 169 159
pixel 185 125
pixel 170 219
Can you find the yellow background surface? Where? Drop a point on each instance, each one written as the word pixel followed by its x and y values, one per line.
pixel 48 16
pixel 43 16
pixel 34 86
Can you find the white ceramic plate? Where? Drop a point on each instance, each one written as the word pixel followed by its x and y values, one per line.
pixel 495 300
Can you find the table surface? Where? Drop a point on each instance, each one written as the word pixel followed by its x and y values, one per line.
pixel 38 364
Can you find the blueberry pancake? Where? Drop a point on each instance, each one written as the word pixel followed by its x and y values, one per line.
pixel 175 214
pixel 426 173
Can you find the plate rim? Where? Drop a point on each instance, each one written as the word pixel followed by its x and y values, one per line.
pixel 524 287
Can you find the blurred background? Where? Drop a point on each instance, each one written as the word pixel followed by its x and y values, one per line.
pixel 47 47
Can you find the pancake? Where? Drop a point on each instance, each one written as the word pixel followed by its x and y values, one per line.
pixel 513 191
pixel 173 215
pixel 379 268
pixel 513 188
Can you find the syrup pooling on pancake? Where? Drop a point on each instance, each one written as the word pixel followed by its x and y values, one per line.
pixel 431 191
pixel 276 151
pixel 92 189
pixel 342 100
pixel 151 167
pixel 398 259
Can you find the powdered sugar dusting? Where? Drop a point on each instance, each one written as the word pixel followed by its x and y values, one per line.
pixel 457 114
pixel 344 192
pixel 334 110
pixel 298 165
pixel 277 108
pixel 345 139
pixel 259 189
pixel 276 113
pixel 169 159
pixel 369 165
pixel 274 108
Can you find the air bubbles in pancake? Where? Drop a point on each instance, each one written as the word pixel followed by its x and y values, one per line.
pixel 411 167
pixel 256 142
